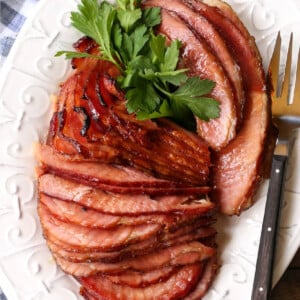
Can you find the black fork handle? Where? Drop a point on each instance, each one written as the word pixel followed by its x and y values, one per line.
pixel 264 266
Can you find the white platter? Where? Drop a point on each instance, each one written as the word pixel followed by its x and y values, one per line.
pixel 31 75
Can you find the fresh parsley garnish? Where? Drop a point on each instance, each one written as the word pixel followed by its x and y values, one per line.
pixel 153 85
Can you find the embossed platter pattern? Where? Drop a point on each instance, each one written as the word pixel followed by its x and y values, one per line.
pixel 30 77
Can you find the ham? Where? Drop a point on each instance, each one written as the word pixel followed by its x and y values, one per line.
pixel 226 10
pixel 124 203
pixel 86 295
pixel 242 45
pixel 205 281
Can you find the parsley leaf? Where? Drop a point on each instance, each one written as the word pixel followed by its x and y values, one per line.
pixel 149 76
pixel 142 98
pixel 194 87
pixel 128 18
pixel 151 16
pixel 96 21
pixel 171 56
pixel 205 108
pixel 190 94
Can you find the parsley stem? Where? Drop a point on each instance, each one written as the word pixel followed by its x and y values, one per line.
pixel 164 90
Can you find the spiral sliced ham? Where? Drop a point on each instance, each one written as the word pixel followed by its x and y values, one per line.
pixel 81 237
pixel 125 204
pixel 64 250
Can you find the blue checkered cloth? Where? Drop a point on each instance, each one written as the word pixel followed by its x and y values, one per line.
pixel 13 14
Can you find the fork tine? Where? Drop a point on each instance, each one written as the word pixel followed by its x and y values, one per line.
pixel 274 67
pixel 296 98
pixel 281 95
pixel 287 72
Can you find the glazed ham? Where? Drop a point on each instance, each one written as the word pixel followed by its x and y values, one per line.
pixel 124 204
pixel 81 237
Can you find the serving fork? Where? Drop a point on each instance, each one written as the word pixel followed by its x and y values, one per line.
pixel 286 116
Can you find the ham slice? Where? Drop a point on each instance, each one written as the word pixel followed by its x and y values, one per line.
pixel 95 239
pixel 188 234
pixel 69 211
pixel 72 212
pixel 137 279
pixel 86 295
pixel 226 10
pixel 177 255
pixel 121 204
pixel 201 62
pixel 175 287
pixel 205 281
pixel 113 178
